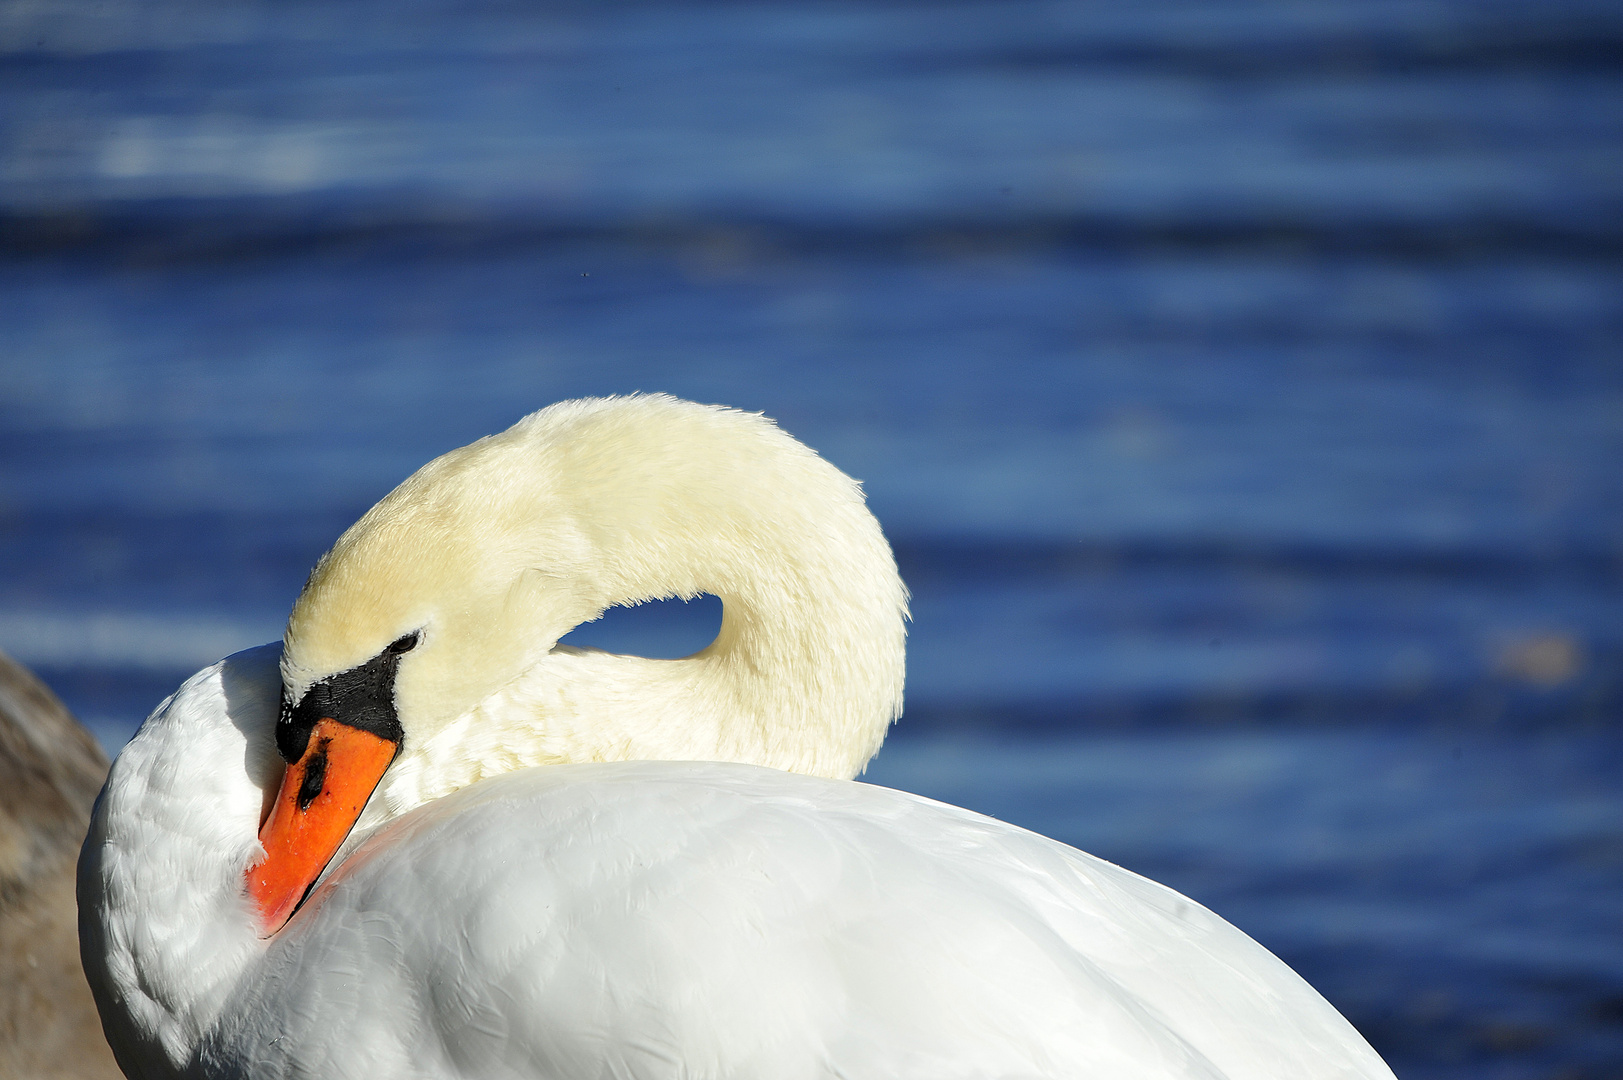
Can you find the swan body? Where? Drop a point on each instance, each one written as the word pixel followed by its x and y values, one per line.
pixel 581 865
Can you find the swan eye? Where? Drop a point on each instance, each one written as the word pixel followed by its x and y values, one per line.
pixel 404 644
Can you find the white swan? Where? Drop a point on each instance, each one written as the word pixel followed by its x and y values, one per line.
pixel 690 885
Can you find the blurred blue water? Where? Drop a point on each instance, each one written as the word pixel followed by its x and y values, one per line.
pixel 1238 383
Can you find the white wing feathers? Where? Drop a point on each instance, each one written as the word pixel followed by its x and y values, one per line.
pixel 657 919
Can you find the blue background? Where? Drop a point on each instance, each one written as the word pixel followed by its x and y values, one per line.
pixel 1238 381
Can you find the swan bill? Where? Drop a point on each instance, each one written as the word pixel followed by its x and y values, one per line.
pixel 321 796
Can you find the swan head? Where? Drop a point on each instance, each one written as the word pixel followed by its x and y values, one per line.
pixel 460 582
pixel 478 559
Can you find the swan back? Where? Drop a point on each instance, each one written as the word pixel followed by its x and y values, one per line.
pixel 747 923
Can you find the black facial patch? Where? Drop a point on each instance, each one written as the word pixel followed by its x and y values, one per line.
pixel 362 698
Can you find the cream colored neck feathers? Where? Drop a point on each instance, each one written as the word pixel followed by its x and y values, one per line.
pixel 496 550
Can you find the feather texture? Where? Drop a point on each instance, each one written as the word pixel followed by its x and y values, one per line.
pixel 685 919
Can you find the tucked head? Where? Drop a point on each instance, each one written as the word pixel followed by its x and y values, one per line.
pixel 462 580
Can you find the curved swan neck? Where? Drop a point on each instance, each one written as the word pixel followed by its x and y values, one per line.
pixel 806 671
pixel 496 550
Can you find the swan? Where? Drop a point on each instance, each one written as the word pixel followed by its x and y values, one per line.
pixel 419 838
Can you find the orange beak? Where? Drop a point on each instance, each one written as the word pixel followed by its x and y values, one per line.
pixel 321 796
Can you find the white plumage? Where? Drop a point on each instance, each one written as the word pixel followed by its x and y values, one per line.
pixel 603 916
